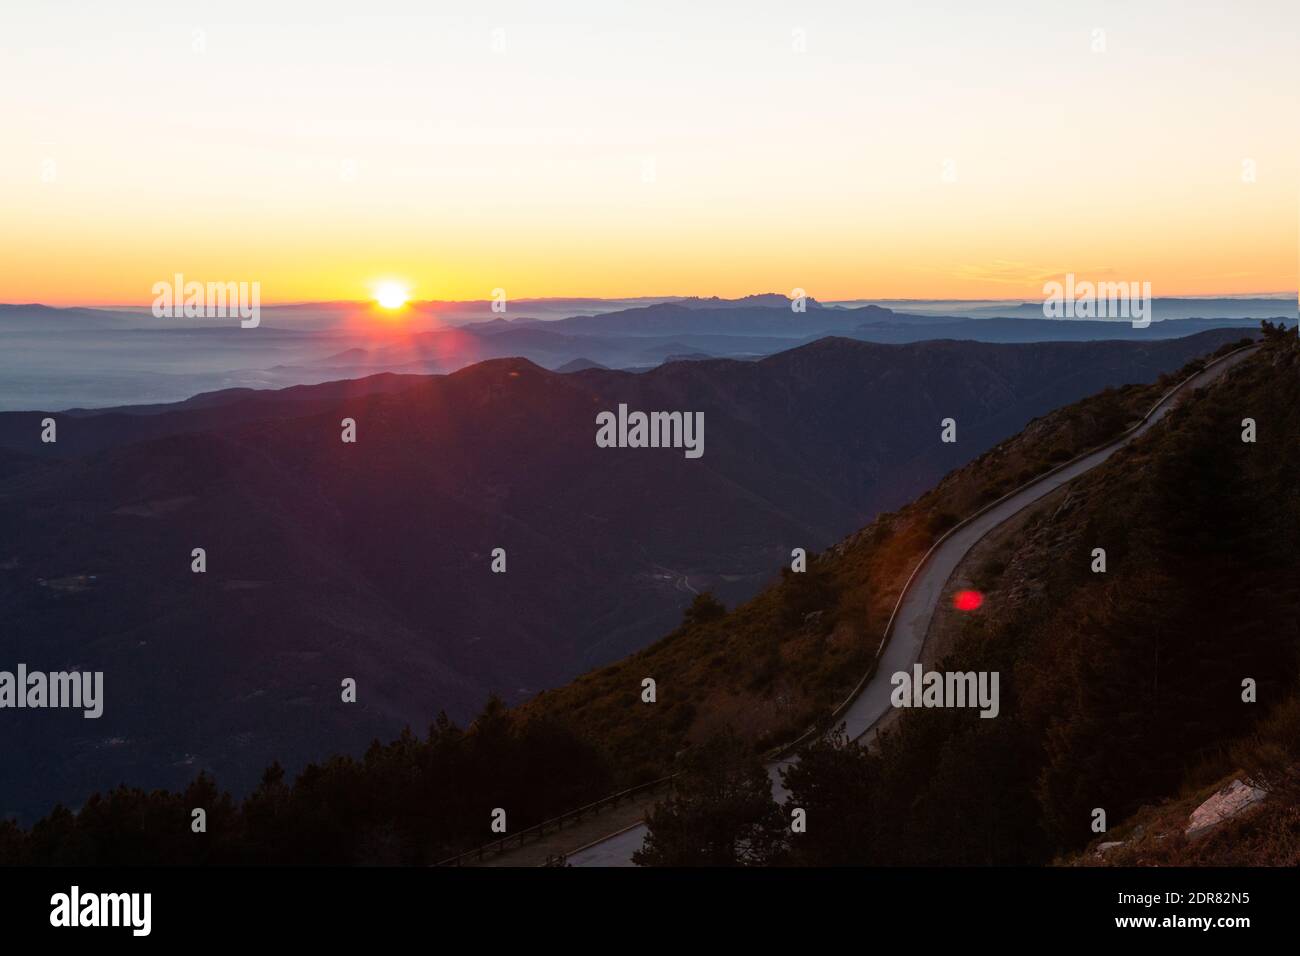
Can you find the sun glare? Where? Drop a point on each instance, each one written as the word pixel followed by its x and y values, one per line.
pixel 391 295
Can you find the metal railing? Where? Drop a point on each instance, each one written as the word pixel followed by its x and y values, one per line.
pixel 512 841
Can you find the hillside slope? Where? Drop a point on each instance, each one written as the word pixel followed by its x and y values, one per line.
pixel 769 668
pixel 1122 690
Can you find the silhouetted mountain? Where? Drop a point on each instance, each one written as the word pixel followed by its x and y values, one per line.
pixel 673 318
pixel 133 423
pixel 20 318
pixel 1041 330
pixel 1170 309
pixel 450 349
pixel 578 365
pixel 371 560
pixel 769 300
pixel 122 357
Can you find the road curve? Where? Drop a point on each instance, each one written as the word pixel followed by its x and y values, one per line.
pixel 911 621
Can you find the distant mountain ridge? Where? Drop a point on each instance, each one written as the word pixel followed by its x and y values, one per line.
pixel 55 359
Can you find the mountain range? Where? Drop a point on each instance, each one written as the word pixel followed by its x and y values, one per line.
pixel 328 560
pixel 56 359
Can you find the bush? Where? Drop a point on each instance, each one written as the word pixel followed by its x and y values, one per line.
pixel 703 609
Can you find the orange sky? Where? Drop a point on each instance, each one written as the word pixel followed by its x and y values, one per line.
pixel 899 154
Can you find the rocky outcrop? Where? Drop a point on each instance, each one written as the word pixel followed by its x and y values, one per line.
pixel 1226 803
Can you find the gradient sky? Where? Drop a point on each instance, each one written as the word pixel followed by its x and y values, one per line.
pixel 231 141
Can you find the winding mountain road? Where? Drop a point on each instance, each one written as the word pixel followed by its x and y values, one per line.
pixel 906 634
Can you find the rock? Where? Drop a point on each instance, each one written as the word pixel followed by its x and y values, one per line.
pixel 1108 846
pixel 1223 805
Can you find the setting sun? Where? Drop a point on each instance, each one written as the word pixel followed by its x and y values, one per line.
pixel 391 295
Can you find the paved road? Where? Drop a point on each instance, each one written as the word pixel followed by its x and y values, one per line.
pixel 912 622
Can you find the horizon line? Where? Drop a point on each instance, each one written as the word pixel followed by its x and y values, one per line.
pixel 1277 294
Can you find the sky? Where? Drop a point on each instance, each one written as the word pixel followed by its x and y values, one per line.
pixel 852 150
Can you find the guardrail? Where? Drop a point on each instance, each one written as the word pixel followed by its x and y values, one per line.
pixel 511 841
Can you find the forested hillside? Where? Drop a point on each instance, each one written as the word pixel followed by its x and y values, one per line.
pixel 1119 689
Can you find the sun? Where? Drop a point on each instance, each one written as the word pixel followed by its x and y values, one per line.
pixel 391 295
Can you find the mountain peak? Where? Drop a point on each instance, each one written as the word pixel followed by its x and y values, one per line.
pixel 767 300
